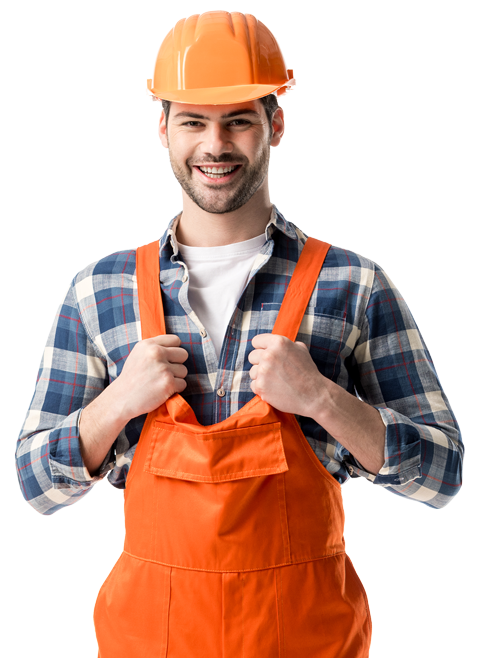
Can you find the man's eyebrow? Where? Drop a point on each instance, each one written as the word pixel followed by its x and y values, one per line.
pixel 192 115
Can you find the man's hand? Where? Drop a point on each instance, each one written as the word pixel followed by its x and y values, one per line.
pixel 284 374
pixel 151 374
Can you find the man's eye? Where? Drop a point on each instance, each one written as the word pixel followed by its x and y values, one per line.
pixel 192 124
pixel 239 122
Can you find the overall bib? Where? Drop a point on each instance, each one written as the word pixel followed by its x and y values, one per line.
pixel 234 531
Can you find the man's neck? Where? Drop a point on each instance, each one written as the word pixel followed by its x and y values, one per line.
pixel 198 228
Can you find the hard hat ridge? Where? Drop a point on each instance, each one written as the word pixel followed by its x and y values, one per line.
pixel 218 58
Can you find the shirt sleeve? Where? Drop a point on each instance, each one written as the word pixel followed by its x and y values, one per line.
pixel 50 467
pixel 395 373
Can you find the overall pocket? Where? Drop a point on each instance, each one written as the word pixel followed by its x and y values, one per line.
pixel 214 500
pixel 131 610
pixel 221 456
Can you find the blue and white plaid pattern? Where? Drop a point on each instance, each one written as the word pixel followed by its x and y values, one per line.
pixel 359 331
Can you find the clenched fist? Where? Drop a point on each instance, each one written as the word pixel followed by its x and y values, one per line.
pixel 284 374
pixel 151 374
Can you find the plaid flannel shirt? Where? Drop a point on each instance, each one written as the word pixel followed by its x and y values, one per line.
pixel 357 327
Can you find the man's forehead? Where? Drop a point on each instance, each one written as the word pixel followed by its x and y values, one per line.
pixel 215 112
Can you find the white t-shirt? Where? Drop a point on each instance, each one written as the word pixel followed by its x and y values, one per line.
pixel 217 277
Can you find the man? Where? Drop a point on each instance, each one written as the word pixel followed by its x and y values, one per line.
pixel 233 515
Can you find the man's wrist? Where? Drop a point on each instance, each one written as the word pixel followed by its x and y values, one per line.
pixel 114 405
pixel 100 423
pixel 322 402
pixel 353 423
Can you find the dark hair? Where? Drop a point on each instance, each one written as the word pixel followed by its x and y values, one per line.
pixel 269 102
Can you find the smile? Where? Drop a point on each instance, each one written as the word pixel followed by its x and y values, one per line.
pixel 218 172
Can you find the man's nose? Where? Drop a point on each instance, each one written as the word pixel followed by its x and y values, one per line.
pixel 217 140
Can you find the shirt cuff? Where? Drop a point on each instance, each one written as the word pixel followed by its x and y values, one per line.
pixel 403 452
pixel 66 463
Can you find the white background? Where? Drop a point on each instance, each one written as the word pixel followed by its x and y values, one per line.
pixel 379 156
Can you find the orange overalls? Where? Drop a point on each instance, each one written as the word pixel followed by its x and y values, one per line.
pixel 234 532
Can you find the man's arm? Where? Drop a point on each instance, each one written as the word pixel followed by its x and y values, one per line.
pixel 285 376
pixel 72 373
pixel 55 465
pixel 417 451
pixel 151 374
pixel 394 372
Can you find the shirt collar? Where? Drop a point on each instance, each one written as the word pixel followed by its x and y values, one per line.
pixel 169 245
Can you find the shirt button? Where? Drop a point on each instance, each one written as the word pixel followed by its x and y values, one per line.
pixel 350 469
pixel 185 278
pixel 221 392
pixel 203 333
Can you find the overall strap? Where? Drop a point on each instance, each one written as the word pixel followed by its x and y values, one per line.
pixel 300 288
pixel 149 291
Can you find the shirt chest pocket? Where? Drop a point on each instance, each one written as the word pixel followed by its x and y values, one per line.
pixel 323 330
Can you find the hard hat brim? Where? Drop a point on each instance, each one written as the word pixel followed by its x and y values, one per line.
pixel 218 95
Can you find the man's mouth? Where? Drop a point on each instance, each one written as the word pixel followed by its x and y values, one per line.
pixel 218 172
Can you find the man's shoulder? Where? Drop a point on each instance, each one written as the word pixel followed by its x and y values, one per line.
pixel 105 279
pixel 341 257
pixel 291 235
pixel 291 240
pixel 120 262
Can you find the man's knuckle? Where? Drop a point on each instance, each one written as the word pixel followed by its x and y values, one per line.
pixel 267 357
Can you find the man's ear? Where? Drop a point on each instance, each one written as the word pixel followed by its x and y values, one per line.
pixel 277 126
pixel 163 130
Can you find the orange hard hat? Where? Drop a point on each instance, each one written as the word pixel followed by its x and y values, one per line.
pixel 218 58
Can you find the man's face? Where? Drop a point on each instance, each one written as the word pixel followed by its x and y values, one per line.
pixel 220 153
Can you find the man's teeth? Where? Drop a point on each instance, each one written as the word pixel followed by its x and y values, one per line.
pixel 217 172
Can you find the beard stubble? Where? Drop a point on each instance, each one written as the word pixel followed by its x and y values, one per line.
pixel 252 178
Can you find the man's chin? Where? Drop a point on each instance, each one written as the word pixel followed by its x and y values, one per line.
pixel 217 202
pixel 217 207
